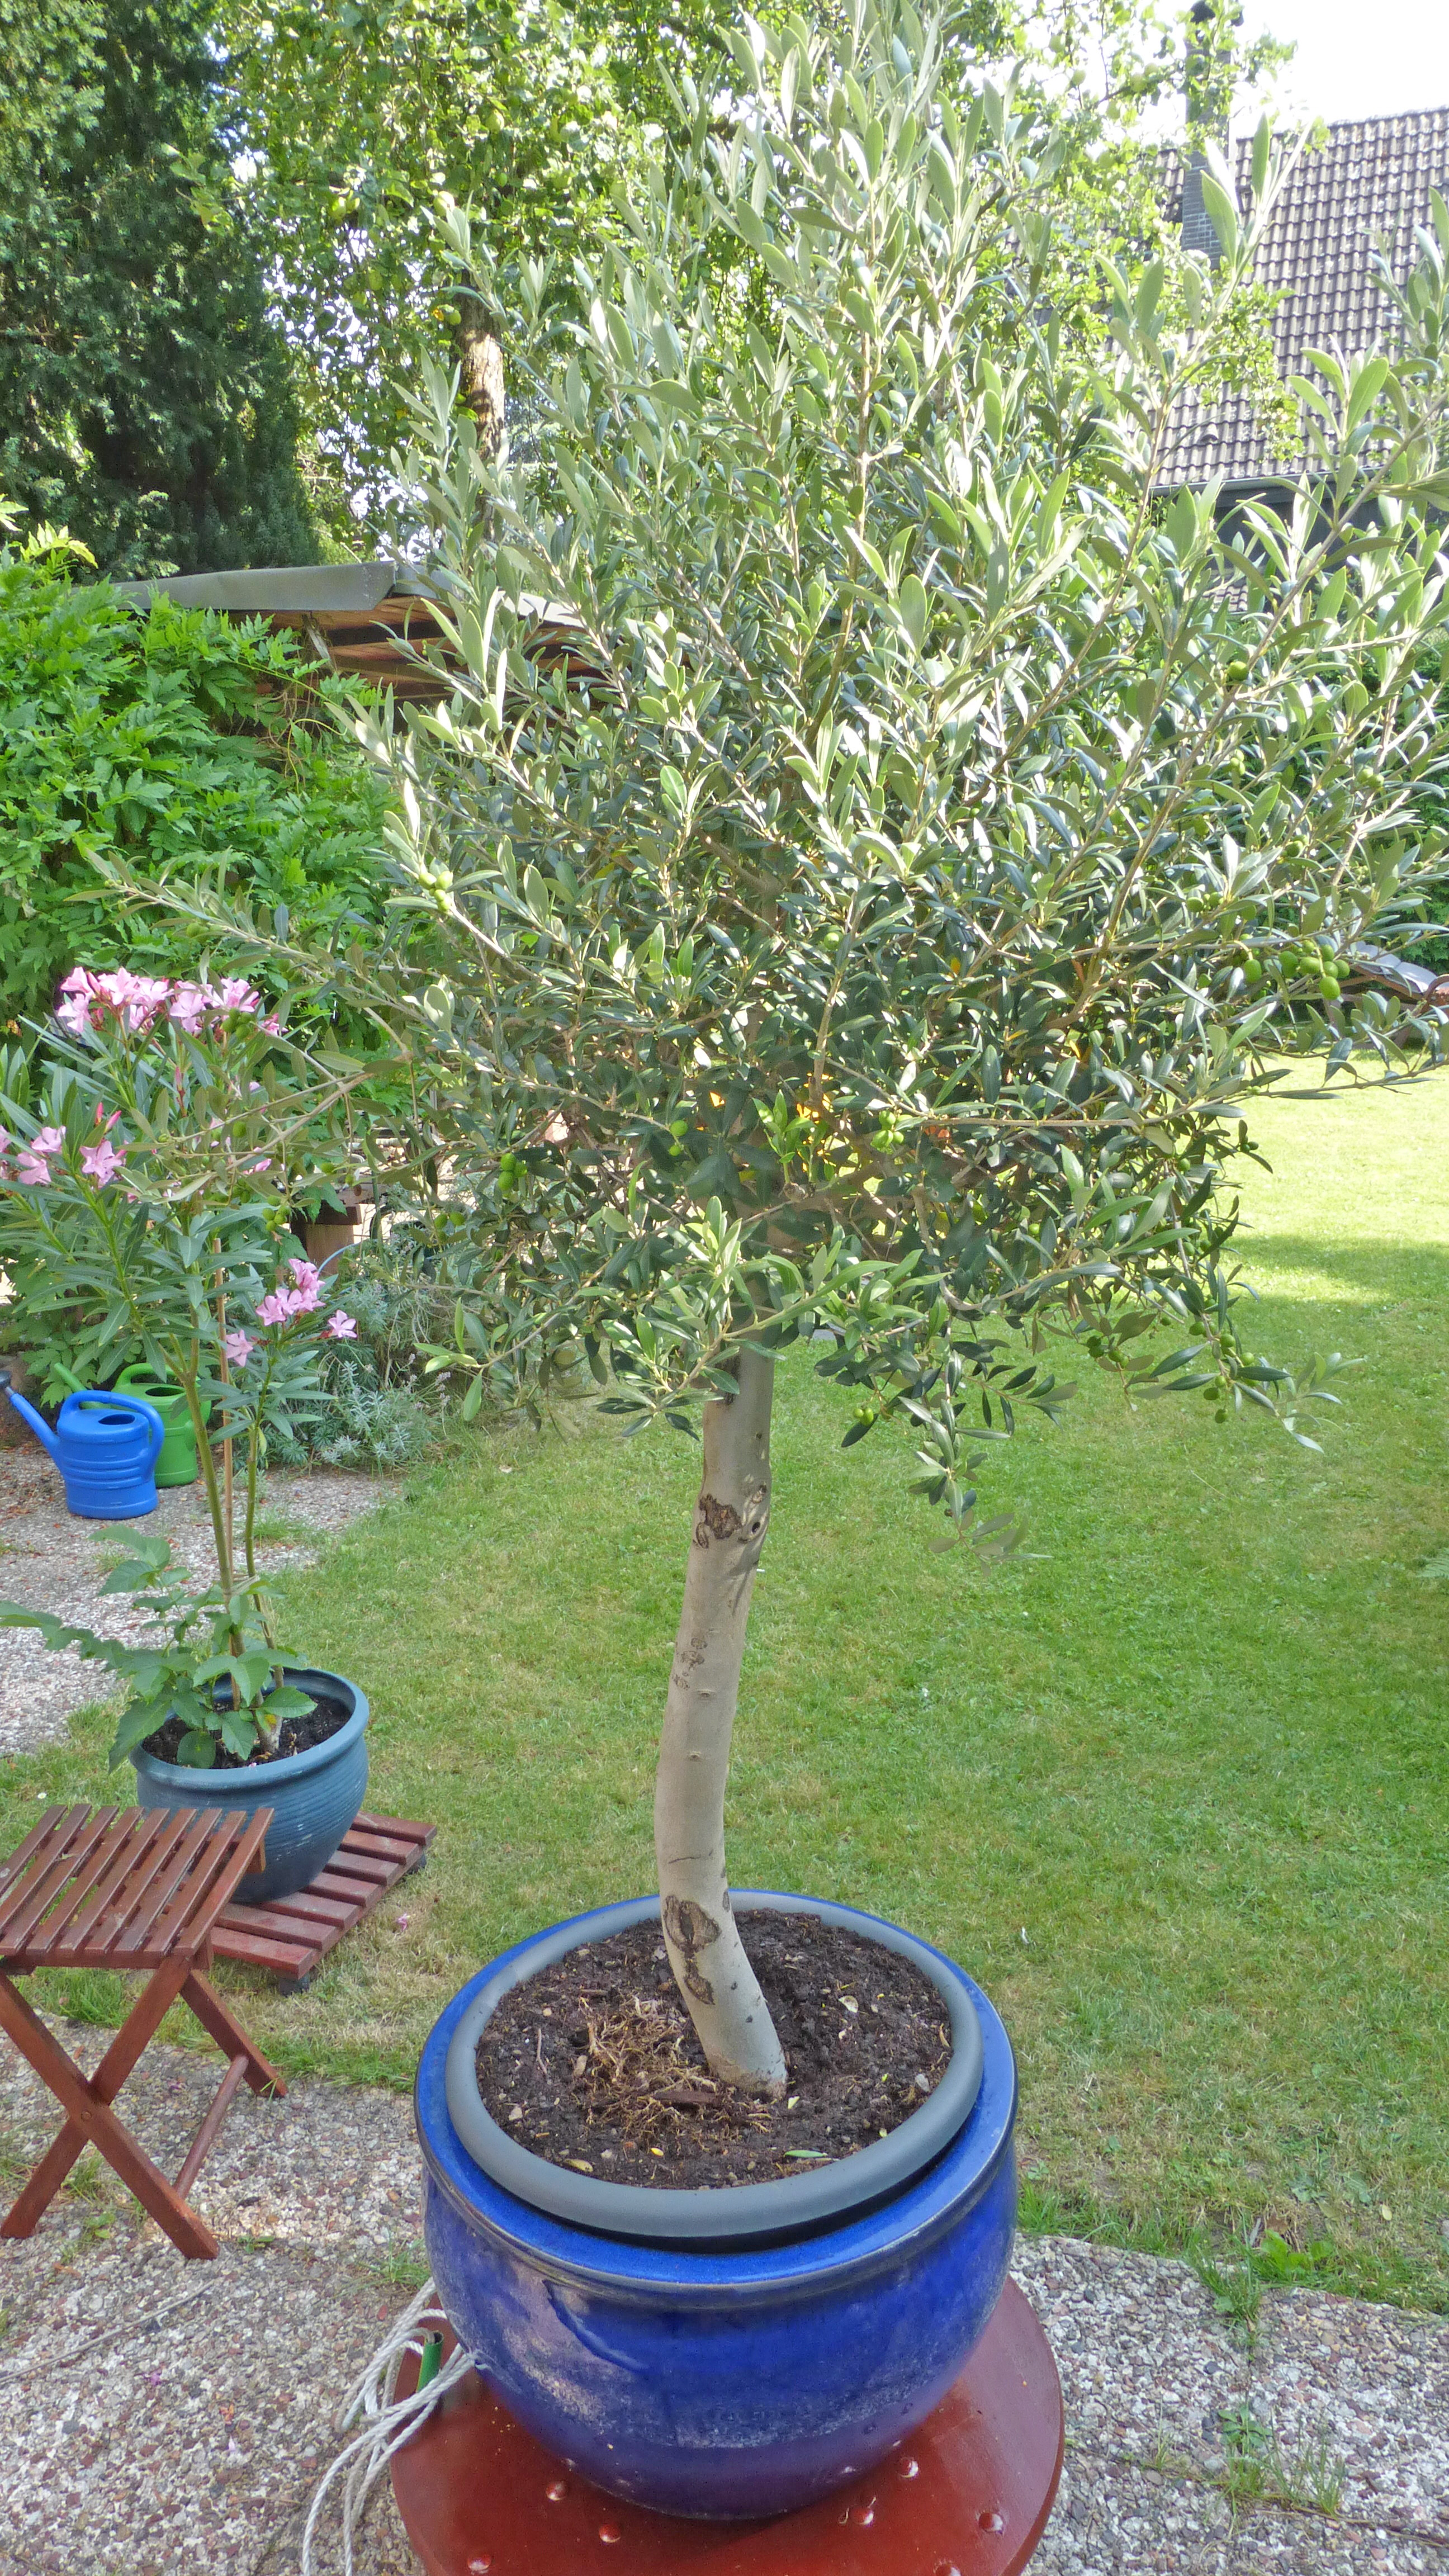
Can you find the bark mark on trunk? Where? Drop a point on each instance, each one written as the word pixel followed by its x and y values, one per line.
pixel 705 1950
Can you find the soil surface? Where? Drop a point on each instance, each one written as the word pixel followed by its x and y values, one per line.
pixel 298 1734
pixel 594 2063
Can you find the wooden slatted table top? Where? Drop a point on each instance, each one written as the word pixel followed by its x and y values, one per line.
pixel 122 1887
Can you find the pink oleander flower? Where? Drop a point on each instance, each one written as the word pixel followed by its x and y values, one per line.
pixel 189 1006
pixel 272 1025
pixel 236 994
pixel 149 1000
pixel 279 1307
pixel 78 1008
pixel 75 1014
pixel 102 1162
pixel 238 1347
pixel 307 1281
pixel 33 1161
pixel 260 1163
pixel 135 999
pixel 340 1326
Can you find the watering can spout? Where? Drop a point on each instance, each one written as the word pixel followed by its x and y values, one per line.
pixel 27 1413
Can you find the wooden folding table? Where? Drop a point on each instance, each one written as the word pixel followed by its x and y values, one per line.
pixel 135 1889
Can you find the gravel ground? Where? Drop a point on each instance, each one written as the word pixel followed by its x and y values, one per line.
pixel 52 1561
pixel 158 2416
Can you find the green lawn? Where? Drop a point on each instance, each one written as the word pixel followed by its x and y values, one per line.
pixel 1171 1785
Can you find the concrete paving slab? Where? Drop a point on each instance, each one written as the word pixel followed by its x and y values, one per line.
pixel 1144 2358
pixel 157 2415
pixel 1113 2519
pixel 1372 2384
pixel 1287 2544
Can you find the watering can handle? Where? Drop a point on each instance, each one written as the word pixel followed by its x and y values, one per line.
pixel 157 1422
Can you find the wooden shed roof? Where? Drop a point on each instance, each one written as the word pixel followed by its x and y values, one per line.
pixel 371 621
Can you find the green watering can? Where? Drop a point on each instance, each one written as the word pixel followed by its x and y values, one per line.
pixel 176 1460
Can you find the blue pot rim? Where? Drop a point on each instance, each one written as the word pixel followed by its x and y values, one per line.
pixel 648 2273
pixel 256 1777
pixel 756 2212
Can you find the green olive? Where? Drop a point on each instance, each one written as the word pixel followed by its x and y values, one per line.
pixel 1329 988
pixel 1253 971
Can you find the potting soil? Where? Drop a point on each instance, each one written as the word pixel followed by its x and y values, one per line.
pixel 595 2064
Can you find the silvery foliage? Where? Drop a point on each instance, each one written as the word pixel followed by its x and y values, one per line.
pixel 878 924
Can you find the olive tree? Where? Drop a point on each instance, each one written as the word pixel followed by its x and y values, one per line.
pixel 870 932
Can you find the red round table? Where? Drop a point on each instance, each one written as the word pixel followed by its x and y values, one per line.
pixel 967 2495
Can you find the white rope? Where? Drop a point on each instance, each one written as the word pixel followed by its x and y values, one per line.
pixel 389 2420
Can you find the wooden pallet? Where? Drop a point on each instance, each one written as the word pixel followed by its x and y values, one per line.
pixel 291 1935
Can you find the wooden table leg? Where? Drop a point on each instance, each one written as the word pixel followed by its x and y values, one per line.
pixel 89 2115
pixel 205 2138
pixel 228 2033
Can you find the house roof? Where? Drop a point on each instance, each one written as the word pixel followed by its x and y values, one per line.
pixel 1371 182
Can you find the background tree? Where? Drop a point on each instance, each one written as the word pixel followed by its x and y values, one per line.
pixel 146 397
pixel 358 114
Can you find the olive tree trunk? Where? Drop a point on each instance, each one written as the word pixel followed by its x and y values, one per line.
pixel 705 1950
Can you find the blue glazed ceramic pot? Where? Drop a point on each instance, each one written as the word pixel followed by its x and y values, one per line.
pixel 314 1795
pixel 725 2383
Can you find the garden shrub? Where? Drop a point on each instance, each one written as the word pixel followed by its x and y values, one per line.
pixel 170 742
pixel 375 1413
pixel 367 1424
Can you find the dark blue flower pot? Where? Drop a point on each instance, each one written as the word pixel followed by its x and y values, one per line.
pixel 314 1795
pixel 727 2383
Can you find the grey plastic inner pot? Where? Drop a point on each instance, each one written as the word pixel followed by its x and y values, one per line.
pixel 743 2214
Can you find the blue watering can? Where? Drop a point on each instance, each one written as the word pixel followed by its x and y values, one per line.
pixel 106 1447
